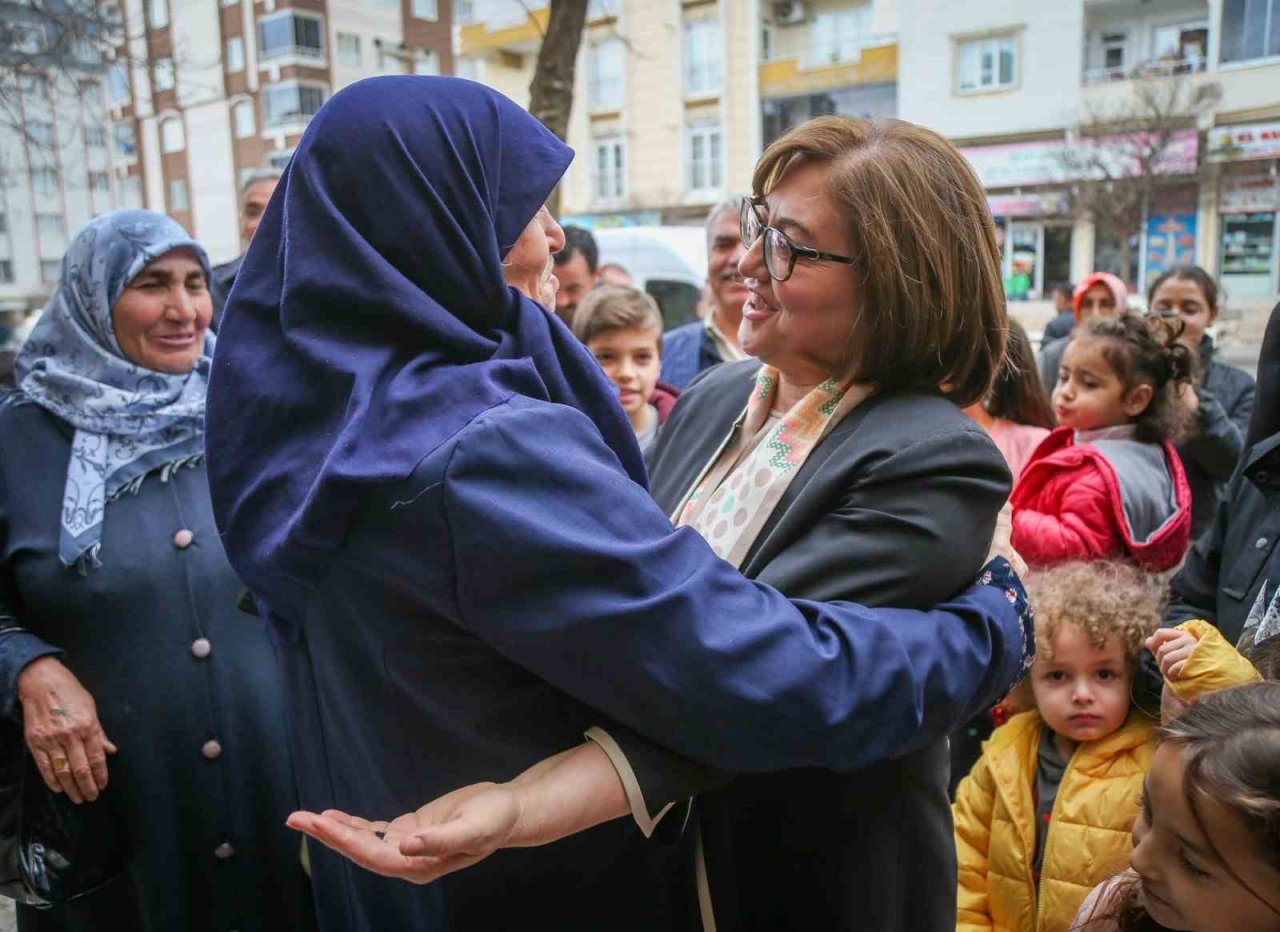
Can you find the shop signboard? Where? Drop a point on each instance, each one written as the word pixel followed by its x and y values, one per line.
pixel 1025 164
pixel 1245 194
pixel 1171 241
pixel 1049 204
pixel 1232 143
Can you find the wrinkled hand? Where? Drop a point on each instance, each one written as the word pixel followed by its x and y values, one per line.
pixel 1172 648
pixel 62 730
pixel 446 835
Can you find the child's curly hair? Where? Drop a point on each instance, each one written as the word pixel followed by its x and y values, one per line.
pixel 1106 599
pixel 1147 352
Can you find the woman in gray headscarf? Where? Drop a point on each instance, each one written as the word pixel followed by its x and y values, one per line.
pixel 120 642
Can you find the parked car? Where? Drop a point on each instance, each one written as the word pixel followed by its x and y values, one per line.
pixel 670 263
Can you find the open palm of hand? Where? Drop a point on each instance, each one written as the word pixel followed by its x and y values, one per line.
pixel 446 835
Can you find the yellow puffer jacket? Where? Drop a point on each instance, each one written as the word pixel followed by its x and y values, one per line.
pixel 1093 813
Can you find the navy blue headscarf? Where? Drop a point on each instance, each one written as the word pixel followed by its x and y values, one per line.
pixel 370 321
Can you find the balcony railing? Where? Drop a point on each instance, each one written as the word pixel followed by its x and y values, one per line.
pixel 1156 68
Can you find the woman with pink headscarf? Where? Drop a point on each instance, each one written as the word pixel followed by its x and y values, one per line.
pixel 1099 295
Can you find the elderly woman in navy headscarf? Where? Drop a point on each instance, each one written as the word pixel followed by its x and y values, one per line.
pixel 435 497
pixel 122 648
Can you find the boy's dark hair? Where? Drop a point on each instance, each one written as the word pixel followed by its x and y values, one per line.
pixel 1192 273
pixel 1016 395
pixel 1064 288
pixel 1147 352
pixel 615 307
pixel 578 240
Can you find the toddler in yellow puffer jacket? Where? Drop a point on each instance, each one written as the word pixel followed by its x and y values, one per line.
pixel 1047 812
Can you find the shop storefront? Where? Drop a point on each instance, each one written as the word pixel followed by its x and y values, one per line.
pixel 1035 242
pixel 1249 203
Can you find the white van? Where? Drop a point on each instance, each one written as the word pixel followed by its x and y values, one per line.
pixel 670 263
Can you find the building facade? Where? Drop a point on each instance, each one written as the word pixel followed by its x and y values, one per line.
pixel 675 99
pixel 200 93
pixel 1012 82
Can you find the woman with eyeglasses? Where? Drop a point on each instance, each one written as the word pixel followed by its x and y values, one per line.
pixel 835 467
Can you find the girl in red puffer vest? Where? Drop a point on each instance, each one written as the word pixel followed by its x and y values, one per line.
pixel 1108 483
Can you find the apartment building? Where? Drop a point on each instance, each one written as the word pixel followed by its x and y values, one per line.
pixel 1010 82
pixel 201 93
pixel 675 99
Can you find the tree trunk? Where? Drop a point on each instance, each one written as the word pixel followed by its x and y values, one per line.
pixel 551 92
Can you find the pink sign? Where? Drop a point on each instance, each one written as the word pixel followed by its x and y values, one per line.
pixel 1034 163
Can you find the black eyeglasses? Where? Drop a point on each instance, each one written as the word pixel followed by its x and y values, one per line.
pixel 780 250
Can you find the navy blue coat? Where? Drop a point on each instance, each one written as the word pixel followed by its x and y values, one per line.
pixel 127 630
pixel 485 612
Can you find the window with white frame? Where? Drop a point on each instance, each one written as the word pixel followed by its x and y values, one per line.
pixel 290 103
pixel 767 40
pixel 349 50
pixel 243 119
pixel 1183 43
pixel 703 63
pixel 608 169
pixel 50 271
pixel 40 132
pixel 178 199
pixel 157 13
pixel 604 74
pixel 99 181
pixel 162 74
pixel 426 62
pixel 6 271
pixel 234 56
pixel 118 82
pixel 128 191
pixel 987 64
pixel 464 12
pixel 839 35
pixel 44 181
pixel 1250 30
pixel 705 159
pixel 291 34
pixel 95 137
pixel 425 9
pixel 1115 50
pixel 173 138
pixel 125 142
pixel 49 224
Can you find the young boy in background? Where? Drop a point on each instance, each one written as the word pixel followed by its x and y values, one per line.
pixel 622 327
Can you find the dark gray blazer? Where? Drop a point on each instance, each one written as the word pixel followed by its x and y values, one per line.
pixel 895 507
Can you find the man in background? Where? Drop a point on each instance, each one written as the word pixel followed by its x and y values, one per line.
pixel 690 349
pixel 255 194
pixel 575 270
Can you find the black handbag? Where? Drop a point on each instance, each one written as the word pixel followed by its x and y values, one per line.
pixel 51 850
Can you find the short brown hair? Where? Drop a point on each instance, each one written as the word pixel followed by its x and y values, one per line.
pixel 615 307
pixel 932 313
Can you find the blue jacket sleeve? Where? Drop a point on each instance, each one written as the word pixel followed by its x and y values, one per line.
pixel 574 573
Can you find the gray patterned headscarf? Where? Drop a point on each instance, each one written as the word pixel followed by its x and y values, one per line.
pixel 129 420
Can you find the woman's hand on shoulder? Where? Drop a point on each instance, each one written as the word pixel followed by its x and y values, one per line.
pixel 446 835
pixel 62 731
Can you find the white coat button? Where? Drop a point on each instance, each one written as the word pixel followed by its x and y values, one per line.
pixel 1261 543
pixel 223 851
pixel 182 539
pixel 201 647
pixel 212 750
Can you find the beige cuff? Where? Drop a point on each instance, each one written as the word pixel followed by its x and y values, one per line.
pixel 635 795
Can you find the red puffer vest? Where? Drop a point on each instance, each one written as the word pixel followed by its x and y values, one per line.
pixel 1068 505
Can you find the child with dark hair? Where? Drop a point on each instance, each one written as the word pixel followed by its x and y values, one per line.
pixel 1220 401
pixel 1108 483
pixel 1206 854
pixel 1047 812
pixel 1015 412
